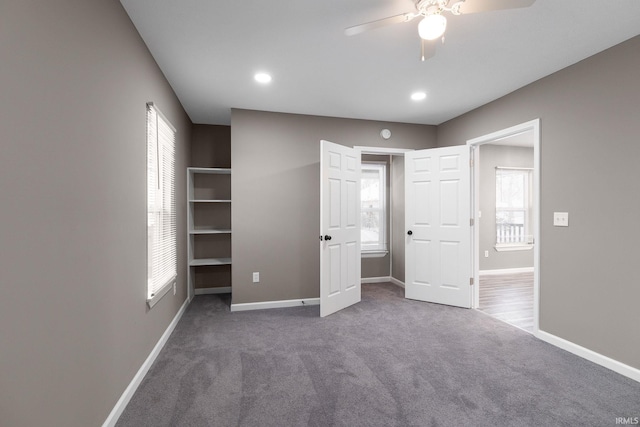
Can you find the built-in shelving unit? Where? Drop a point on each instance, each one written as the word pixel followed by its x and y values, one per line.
pixel 209 230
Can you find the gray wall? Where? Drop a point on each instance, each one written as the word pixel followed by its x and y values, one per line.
pixel 490 157
pixel 210 146
pixel 276 195
pixel 75 326
pixel 589 116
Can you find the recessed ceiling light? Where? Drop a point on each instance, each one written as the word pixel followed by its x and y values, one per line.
pixel 418 96
pixel 262 77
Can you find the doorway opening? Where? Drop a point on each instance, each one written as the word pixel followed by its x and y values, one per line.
pixel 432 229
pixel 506 212
pixel 438 265
pixel 384 263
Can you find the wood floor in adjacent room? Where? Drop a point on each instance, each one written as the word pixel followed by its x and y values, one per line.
pixel 508 297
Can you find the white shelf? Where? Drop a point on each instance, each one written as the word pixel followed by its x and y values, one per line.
pixel 201 195
pixel 211 171
pixel 211 291
pixel 209 231
pixel 209 261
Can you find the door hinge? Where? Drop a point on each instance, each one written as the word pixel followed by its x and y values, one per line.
pixel 470 163
pixel 471 281
pixel 471 222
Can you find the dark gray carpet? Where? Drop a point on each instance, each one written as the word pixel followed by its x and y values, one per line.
pixel 386 361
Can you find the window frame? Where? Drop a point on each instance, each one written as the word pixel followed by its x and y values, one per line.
pixel 380 248
pixel 161 204
pixel 527 210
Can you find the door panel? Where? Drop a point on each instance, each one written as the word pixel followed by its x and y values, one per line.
pixel 422 250
pixel 353 259
pixel 334 204
pixel 352 204
pixel 437 213
pixel 340 222
pixel 421 196
pixel 449 196
pixel 334 268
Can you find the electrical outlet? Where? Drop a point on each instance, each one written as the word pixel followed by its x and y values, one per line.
pixel 256 277
pixel 561 219
pixel 174 288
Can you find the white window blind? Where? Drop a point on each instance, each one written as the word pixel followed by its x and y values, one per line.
pixel 161 205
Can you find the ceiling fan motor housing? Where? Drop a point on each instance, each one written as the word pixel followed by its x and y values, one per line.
pixel 432 7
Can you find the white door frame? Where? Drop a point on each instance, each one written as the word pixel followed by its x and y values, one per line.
pixel 534 126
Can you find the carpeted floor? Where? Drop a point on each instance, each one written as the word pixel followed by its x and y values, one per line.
pixel 386 361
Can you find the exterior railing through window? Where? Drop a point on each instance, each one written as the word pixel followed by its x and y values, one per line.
pixel 510 233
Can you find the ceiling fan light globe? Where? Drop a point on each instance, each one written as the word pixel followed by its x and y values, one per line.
pixel 432 27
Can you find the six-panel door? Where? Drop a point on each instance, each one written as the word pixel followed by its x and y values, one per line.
pixel 437 226
pixel 339 227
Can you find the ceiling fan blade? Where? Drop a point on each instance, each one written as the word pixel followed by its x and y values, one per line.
pixel 427 49
pixel 397 19
pixel 475 6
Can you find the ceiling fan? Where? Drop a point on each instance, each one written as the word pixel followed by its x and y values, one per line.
pixel 434 23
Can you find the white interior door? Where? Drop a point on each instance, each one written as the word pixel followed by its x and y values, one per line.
pixel 339 227
pixel 437 222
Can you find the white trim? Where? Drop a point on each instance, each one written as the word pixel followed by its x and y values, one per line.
pixel 592 356
pixel 507 270
pixel 381 279
pixel 210 291
pixel 373 250
pixel 503 247
pixel 390 206
pixel 157 109
pixel 534 126
pixel 382 150
pixel 274 304
pixel 373 254
pixel 513 168
pixel 120 406
pixel 161 293
pixel 396 282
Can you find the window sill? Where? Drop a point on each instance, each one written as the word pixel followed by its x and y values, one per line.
pixel 373 254
pixel 151 301
pixel 506 248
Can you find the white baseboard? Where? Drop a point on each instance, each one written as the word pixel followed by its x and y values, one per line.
pixel 382 279
pixel 274 304
pixel 210 291
pixel 396 282
pixel 117 410
pixel 585 353
pixel 508 270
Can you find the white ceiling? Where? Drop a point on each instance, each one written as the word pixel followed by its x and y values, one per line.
pixel 209 51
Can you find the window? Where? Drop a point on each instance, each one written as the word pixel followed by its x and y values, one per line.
pixel 513 208
pixel 161 206
pixel 373 208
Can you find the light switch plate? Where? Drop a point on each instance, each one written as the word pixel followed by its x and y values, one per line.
pixel 561 219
